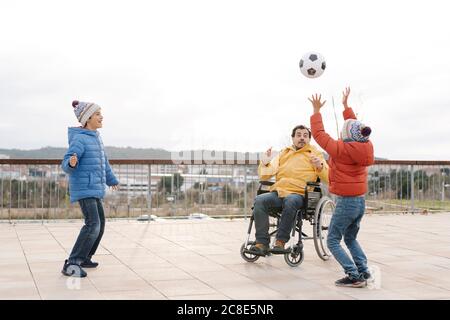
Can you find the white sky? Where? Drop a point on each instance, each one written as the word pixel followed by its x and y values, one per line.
pixel 224 75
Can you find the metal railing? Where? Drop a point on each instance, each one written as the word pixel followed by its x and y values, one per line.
pixel 409 186
pixel 38 189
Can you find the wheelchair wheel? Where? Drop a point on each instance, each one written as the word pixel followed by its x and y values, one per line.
pixel 294 258
pixel 248 256
pixel 322 218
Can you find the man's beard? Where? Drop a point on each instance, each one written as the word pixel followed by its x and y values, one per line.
pixel 300 145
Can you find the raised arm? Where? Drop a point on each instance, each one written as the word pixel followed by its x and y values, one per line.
pixel 268 167
pixel 317 129
pixel 348 112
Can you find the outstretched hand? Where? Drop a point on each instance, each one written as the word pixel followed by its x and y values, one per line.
pixel 345 95
pixel 317 104
pixel 73 160
pixel 316 162
pixel 269 152
pixel 267 156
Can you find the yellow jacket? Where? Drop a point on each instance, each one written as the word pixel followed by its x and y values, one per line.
pixel 293 169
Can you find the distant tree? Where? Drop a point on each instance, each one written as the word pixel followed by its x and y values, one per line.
pixel 166 183
pixel 398 181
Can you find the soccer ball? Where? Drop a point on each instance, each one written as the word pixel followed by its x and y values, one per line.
pixel 312 64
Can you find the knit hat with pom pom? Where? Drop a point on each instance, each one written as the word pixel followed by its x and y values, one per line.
pixel 354 130
pixel 84 110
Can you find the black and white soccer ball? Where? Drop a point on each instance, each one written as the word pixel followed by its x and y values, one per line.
pixel 312 64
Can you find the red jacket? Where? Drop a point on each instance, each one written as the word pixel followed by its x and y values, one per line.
pixel 348 161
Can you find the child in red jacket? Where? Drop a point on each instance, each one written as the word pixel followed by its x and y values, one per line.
pixel 349 160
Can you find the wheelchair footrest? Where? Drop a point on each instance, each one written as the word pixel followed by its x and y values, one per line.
pixel 280 250
pixel 260 254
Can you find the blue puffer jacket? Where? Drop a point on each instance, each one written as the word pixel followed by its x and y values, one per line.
pixel 92 172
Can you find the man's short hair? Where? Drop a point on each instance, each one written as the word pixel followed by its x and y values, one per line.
pixel 302 127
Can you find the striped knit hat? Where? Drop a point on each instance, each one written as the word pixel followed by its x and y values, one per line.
pixel 354 130
pixel 84 110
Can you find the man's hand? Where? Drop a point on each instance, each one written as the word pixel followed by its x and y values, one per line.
pixel 115 188
pixel 267 156
pixel 345 95
pixel 73 160
pixel 317 163
pixel 317 104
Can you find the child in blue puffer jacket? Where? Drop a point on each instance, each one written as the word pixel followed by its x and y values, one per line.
pixel 89 173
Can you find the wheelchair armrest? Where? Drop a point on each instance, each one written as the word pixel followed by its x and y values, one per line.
pixel 313 184
pixel 267 183
pixel 264 187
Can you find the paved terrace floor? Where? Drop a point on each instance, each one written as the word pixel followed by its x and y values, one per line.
pixel 199 259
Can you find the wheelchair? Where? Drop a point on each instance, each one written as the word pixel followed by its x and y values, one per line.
pixel 317 209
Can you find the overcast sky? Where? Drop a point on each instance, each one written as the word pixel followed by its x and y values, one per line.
pixel 224 75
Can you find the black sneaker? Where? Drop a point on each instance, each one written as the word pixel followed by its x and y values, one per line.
pixel 89 264
pixel 350 282
pixel 259 249
pixel 71 269
pixel 366 275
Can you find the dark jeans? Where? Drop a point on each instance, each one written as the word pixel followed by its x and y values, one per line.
pixel 345 224
pixel 92 231
pixel 270 201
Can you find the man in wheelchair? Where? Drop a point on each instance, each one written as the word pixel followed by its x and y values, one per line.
pixel 293 167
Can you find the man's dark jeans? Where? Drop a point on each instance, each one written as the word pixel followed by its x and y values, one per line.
pixel 270 201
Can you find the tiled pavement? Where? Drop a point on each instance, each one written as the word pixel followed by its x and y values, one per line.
pixel 199 259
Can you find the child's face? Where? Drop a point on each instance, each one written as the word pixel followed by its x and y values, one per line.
pixel 95 121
